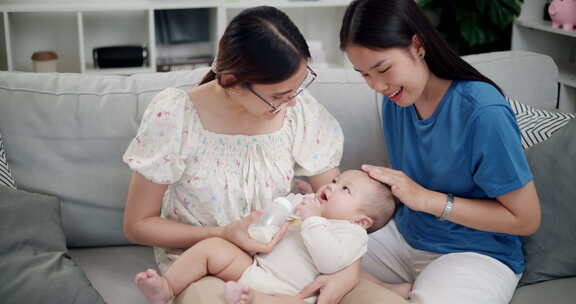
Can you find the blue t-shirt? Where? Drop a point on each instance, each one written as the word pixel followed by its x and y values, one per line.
pixel 469 147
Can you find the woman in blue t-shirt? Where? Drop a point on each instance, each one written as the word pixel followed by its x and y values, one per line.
pixel 466 190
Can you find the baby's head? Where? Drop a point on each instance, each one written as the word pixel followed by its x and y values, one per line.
pixel 355 196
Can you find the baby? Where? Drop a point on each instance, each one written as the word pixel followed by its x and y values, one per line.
pixel 332 235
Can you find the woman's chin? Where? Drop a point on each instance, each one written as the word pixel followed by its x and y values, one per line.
pixel 404 102
pixel 269 115
pixel 272 114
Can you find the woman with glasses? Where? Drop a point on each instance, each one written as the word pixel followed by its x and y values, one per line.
pixel 457 162
pixel 205 159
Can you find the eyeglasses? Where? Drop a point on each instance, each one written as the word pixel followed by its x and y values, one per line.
pixel 310 77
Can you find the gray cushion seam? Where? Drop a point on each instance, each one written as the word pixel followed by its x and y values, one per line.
pixel 499 60
pixel 88 93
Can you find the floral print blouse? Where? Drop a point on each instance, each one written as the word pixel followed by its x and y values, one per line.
pixel 215 179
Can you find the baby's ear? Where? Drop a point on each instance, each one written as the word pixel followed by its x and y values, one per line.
pixel 363 220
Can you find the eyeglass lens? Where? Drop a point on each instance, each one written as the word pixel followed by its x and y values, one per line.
pixel 310 77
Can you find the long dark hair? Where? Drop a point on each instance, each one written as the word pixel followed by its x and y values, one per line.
pixel 379 24
pixel 260 45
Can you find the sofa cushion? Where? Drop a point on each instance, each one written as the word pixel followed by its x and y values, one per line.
pixel 34 260
pixel 551 250
pixel 69 132
pixel 6 178
pixel 559 291
pixel 537 125
pixel 111 270
pixel 209 290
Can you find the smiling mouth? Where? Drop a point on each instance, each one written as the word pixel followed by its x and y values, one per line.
pixel 395 93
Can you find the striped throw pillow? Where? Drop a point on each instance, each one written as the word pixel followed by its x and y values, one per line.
pixel 5 174
pixel 537 125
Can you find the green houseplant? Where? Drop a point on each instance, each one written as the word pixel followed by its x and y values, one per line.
pixel 474 26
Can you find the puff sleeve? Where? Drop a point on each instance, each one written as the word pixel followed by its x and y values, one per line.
pixel 158 151
pixel 318 138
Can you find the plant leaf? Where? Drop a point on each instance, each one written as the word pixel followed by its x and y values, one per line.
pixel 514 6
pixel 481 5
pixel 468 24
pixel 497 15
pixel 427 4
pixel 477 31
pixel 503 14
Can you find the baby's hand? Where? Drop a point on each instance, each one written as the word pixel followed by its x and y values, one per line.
pixel 302 186
pixel 310 206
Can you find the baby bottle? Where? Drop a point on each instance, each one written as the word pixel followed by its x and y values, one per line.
pixel 275 214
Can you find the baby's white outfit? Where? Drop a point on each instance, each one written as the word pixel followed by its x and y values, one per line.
pixel 215 179
pixel 317 245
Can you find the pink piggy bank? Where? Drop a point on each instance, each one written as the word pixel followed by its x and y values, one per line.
pixel 563 14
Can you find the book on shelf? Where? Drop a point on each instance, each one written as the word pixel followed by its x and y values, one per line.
pixel 182 63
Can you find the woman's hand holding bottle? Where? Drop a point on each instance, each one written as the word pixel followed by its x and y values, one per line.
pixel 237 233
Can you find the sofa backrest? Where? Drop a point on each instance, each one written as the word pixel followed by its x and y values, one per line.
pixel 527 77
pixel 65 133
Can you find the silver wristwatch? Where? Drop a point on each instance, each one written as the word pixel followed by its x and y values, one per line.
pixel 447 208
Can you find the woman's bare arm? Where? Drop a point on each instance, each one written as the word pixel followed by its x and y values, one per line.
pixel 143 224
pixel 516 212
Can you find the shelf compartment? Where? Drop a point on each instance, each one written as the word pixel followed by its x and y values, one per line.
pixel 546 26
pixel 314 22
pixel 119 71
pixel 115 28
pixel 531 32
pixel 567 73
pixel 3 49
pixel 35 31
pixel 289 3
pixel 177 37
pixel 567 99
pixel 562 48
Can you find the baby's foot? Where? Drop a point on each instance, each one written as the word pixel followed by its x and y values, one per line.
pixel 154 287
pixel 403 289
pixel 236 293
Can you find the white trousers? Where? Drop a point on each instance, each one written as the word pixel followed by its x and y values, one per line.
pixel 463 278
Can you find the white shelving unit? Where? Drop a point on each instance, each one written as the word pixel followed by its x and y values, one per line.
pixel 532 33
pixel 74 28
pixel 3 39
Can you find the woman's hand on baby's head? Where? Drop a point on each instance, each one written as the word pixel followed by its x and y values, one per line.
pixel 410 193
pixel 310 206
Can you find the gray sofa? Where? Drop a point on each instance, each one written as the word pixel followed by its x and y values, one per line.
pixel 65 134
